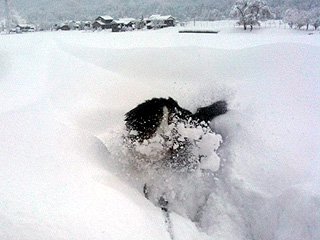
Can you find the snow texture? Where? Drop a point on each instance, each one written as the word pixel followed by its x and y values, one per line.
pixel 65 172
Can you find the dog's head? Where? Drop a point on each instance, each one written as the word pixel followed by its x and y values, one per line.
pixel 144 120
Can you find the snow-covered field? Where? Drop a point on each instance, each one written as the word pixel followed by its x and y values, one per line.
pixel 63 96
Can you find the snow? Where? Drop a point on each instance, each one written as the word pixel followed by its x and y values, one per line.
pixel 106 17
pixel 63 169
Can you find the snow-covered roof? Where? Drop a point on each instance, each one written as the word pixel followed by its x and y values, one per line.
pixel 125 20
pixel 64 25
pixel 159 17
pixel 100 22
pixel 106 17
pixel 26 25
pixel 156 16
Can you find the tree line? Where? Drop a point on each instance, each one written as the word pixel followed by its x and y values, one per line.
pixel 251 12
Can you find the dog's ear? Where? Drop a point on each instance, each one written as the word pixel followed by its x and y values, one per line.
pixel 172 104
pixel 177 110
pixel 210 112
pixel 172 101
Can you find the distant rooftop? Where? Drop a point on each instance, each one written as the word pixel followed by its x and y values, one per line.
pixel 159 17
pixel 125 20
pixel 106 17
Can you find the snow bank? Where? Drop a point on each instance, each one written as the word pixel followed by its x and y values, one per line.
pixel 54 184
pixel 294 214
pixel 57 180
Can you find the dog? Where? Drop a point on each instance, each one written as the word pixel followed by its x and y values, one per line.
pixel 164 135
pixel 162 118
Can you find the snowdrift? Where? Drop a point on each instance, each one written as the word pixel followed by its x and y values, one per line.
pixel 62 107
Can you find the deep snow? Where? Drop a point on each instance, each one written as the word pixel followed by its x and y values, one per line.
pixel 63 97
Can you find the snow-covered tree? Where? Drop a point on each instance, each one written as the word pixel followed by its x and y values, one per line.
pixel 139 24
pixel 290 16
pixel 301 18
pixel 315 18
pixel 277 12
pixel 214 15
pixel 250 12
pixel 305 5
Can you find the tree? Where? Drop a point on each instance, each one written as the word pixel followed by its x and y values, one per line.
pixel 7 16
pixel 315 18
pixel 316 23
pixel 250 12
pixel 214 15
pixel 140 23
pixel 301 18
pixel 277 12
pixel 290 16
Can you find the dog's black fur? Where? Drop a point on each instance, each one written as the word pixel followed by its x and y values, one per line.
pixel 146 117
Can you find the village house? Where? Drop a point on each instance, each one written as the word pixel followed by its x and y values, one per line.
pixel 65 26
pixel 158 21
pixel 73 25
pixel 124 24
pixel 86 25
pixel 26 27
pixel 104 22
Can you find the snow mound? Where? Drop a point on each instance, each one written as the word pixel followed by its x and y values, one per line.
pixel 294 214
pixel 55 184
pixel 185 183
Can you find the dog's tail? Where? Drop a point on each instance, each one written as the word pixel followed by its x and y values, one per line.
pixel 210 112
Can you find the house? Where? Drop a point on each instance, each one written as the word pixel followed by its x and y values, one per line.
pixel 98 24
pixel 63 26
pixel 104 22
pixel 158 21
pixel 66 26
pixel 86 24
pixel 72 25
pixel 26 27
pixel 124 24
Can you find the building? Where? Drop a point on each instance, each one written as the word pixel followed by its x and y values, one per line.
pixel 104 22
pixel 158 21
pixel 26 27
pixel 124 24
pixel 73 25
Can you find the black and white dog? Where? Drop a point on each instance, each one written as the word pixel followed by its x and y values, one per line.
pixel 159 119
pixel 163 135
